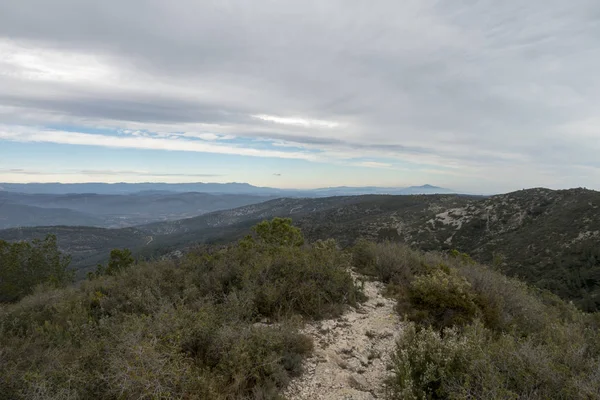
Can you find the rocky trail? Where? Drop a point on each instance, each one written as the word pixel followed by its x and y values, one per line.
pixel 351 352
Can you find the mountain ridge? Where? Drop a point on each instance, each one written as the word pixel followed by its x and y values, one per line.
pixel 549 238
pixel 112 211
pixel 208 187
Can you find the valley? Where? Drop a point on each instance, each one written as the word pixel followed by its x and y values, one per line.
pixel 112 210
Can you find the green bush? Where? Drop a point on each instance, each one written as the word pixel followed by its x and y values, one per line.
pixel 425 362
pixel 313 281
pixel 388 262
pixel 364 256
pixel 119 260
pixel 476 363
pixel 478 334
pixel 441 299
pixel 278 232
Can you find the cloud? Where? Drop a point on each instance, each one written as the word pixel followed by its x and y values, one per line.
pixel 374 164
pixel 103 172
pixel 296 121
pixel 40 64
pixel 106 172
pixel 470 89
pixel 102 175
pixel 29 135
pixel 208 136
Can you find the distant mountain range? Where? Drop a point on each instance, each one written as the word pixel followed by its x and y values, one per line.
pixel 213 188
pixel 110 210
pixel 123 205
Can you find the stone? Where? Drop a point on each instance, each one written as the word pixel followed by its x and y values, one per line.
pixel 358 382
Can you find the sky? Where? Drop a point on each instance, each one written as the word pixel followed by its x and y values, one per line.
pixel 479 96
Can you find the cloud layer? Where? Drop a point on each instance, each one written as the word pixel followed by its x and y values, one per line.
pixel 476 89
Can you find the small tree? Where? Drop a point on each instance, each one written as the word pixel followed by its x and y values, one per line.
pixel 23 265
pixel 119 259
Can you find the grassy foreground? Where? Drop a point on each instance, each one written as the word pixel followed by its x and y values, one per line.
pixel 218 324
pixel 473 333
pixel 222 323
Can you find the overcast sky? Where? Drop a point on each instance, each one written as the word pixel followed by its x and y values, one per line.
pixel 480 96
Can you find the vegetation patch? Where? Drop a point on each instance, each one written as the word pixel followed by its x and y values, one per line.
pixel 475 333
pixel 218 324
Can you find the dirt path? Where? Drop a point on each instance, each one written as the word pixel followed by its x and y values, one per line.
pixel 351 352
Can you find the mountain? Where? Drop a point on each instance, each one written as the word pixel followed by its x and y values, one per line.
pixel 549 238
pixel 129 188
pixel 138 204
pixel 12 215
pixel 354 191
pixel 213 188
pixel 111 211
pixel 340 216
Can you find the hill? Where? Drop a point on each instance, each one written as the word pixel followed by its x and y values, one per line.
pixel 87 246
pixel 111 211
pixel 274 315
pixel 548 238
pixel 320 216
pixel 13 215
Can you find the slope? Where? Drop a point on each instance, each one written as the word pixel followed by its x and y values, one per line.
pixel 87 245
pixel 549 238
pixel 115 211
pixel 14 215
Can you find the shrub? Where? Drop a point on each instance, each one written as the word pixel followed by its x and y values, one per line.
pixel 364 256
pixel 425 362
pixel 478 334
pixel 279 232
pixel 476 363
pixel 192 328
pixel 119 260
pixel 313 282
pixel 279 281
pixel 388 262
pixel 441 299
pixel 507 304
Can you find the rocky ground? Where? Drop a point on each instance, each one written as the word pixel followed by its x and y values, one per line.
pixel 351 352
